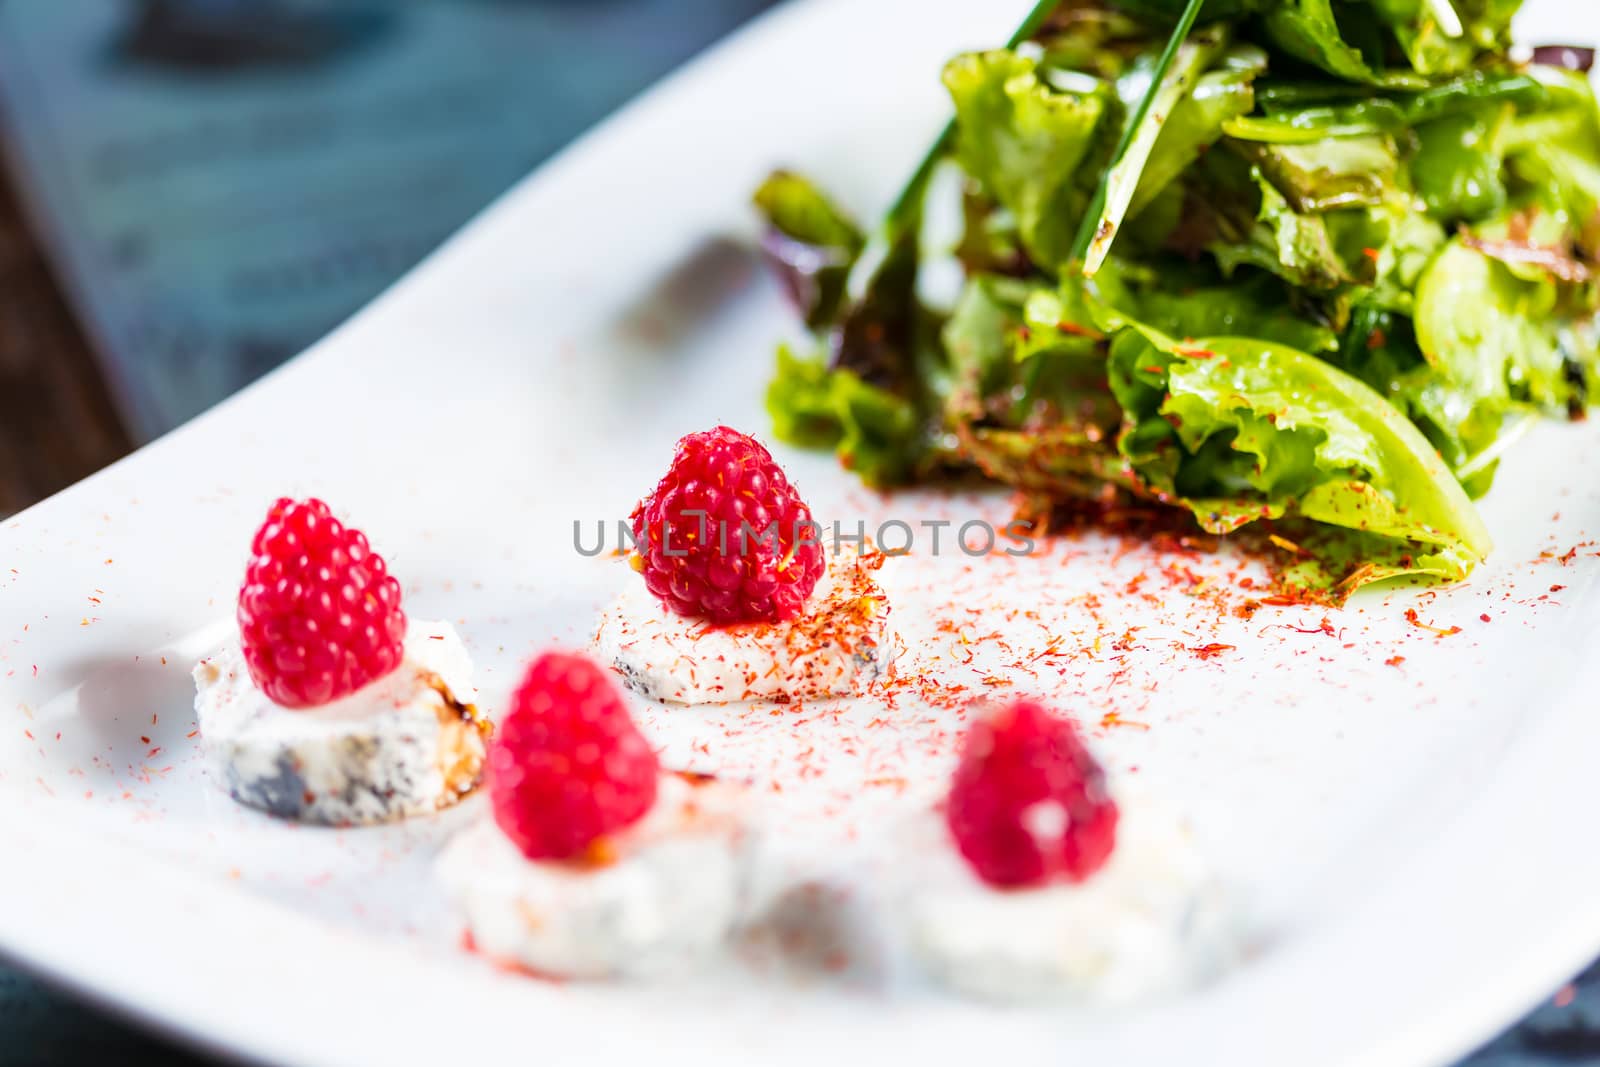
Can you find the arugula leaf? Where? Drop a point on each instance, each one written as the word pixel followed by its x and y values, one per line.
pixel 810 244
pixel 1030 143
pixel 1310 31
pixel 1295 113
pixel 1239 430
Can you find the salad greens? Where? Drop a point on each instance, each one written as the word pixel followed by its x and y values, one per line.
pixel 1310 264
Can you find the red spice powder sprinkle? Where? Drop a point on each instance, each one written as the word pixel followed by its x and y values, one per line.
pixel 1415 620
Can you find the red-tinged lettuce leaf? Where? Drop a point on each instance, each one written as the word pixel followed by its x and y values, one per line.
pixel 809 243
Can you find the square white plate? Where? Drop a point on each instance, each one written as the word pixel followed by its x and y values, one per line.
pixel 1409 835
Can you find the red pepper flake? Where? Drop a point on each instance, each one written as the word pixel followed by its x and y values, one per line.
pixel 1111 718
pixel 1211 651
pixel 1557 588
pixel 436 637
pixel 192 734
pixel 28 734
pixel 1415 620
pixel 1484 617
pixel 144 739
pixel 151 754
pixel 1394 661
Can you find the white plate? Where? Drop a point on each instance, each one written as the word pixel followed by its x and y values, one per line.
pixel 1411 839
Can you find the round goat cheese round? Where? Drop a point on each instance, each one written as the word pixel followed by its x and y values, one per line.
pixel 838 646
pixel 1151 920
pixel 666 894
pixel 409 743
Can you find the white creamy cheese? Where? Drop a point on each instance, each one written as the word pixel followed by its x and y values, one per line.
pixel 667 899
pixel 1149 921
pixel 407 744
pixel 837 646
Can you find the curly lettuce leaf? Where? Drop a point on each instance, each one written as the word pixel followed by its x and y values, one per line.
pixel 1298 248
pixel 875 433
pixel 810 243
pixel 1030 406
pixel 1032 144
pixel 1239 430
pixel 1558 149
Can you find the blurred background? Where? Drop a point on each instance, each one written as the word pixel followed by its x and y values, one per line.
pixel 196 190
pixel 193 191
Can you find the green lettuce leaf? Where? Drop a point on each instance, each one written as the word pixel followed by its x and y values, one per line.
pixel 1458 166
pixel 1198 121
pixel 1194 55
pixel 1302 114
pixel 1331 173
pixel 1239 430
pixel 1500 337
pixel 1311 31
pixel 1033 145
pixel 875 433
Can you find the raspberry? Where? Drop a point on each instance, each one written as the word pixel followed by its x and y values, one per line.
pixel 1029 804
pixel 567 765
pixel 725 537
pixel 319 613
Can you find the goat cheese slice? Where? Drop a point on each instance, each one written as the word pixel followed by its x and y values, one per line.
pixel 665 895
pixel 1150 921
pixel 838 646
pixel 409 743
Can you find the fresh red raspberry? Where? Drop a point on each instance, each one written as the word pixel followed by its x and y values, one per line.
pixel 725 537
pixel 1029 803
pixel 567 766
pixel 319 612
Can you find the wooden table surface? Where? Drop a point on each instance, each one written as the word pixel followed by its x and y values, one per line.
pixel 57 422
